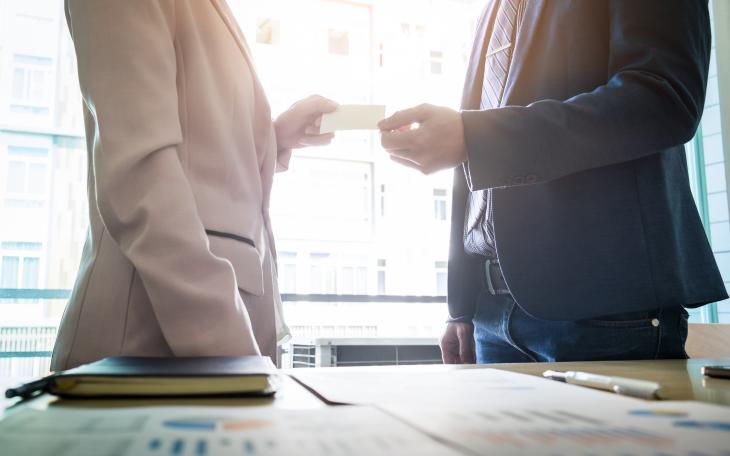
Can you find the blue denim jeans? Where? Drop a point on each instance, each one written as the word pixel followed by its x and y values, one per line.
pixel 504 333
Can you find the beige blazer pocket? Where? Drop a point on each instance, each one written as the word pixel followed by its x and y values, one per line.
pixel 242 254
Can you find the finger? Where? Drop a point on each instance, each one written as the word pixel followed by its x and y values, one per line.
pixel 320 104
pixel 449 349
pixel 449 355
pixel 466 344
pixel 312 130
pixel 317 140
pixel 405 162
pixel 392 140
pixel 405 117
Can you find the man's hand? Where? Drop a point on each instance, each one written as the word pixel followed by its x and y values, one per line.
pixel 436 144
pixel 457 344
pixel 299 125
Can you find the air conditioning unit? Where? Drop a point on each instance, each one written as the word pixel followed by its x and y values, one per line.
pixel 362 351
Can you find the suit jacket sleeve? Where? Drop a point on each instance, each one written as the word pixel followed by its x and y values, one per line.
pixel 128 72
pixel 652 100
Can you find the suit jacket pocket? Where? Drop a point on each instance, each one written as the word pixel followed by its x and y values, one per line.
pixel 243 256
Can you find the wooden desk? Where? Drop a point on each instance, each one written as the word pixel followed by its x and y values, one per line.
pixel 681 378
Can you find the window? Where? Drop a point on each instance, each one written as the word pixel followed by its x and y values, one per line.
pixel 32 84
pixel 330 216
pixel 27 176
pixel 707 165
pixel 322 274
pixel 339 42
pixel 31 272
pixel 381 276
pixel 16 177
pixel 441 268
pixel 353 275
pixel 267 31
pixel 439 204
pixel 10 271
pixel 437 61
pixel 287 262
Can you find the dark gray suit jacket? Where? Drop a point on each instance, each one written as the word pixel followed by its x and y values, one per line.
pixel 592 206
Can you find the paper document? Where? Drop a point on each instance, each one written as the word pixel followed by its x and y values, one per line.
pixel 642 429
pixel 211 431
pixel 439 385
pixel 353 117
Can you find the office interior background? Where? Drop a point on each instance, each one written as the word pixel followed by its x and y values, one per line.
pixel 347 220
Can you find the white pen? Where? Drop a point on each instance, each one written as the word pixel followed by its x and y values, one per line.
pixel 620 385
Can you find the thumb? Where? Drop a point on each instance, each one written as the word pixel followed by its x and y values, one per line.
pixel 317 104
pixel 405 117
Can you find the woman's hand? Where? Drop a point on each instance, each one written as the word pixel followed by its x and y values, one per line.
pixel 299 125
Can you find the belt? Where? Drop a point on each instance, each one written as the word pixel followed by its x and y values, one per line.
pixel 494 278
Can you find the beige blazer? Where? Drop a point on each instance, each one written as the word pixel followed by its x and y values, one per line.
pixel 182 152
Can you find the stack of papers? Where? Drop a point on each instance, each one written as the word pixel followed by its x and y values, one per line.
pixel 487 411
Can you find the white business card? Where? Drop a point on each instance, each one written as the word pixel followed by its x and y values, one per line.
pixel 353 117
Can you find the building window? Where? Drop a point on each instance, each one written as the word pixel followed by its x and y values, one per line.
pixel 437 62
pixel 439 204
pixel 339 42
pixel 10 272
pixel 268 31
pixel 381 276
pixel 287 262
pixel 353 275
pixel 322 274
pixel 16 177
pixel 382 200
pixel 32 84
pixel 31 272
pixel 27 176
pixel 441 268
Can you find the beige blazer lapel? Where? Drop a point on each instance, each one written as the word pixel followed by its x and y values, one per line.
pixel 263 110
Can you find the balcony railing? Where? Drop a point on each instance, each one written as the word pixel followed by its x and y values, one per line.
pixel 28 348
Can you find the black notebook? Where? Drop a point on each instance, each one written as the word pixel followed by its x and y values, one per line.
pixel 158 377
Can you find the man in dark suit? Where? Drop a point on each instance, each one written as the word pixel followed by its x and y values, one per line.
pixel 574 234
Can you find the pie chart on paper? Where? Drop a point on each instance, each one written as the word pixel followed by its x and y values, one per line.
pixel 216 424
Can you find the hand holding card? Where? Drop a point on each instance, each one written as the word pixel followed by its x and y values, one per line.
pixel 352 117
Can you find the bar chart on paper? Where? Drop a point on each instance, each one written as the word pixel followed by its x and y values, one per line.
pixel 607 428
pixel 211 431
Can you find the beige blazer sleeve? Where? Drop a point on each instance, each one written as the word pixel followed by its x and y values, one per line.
pixel 127 70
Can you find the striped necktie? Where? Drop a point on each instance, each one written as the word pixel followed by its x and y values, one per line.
pixel 479 226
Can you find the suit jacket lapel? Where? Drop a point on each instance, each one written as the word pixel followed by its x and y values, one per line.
pixel 227 16
pixel 263 123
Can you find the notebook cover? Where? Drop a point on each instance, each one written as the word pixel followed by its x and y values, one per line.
pixel 204 366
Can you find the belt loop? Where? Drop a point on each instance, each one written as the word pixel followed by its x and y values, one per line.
pixel 488 272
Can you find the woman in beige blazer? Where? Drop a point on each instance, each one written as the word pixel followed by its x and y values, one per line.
pixel 179 260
